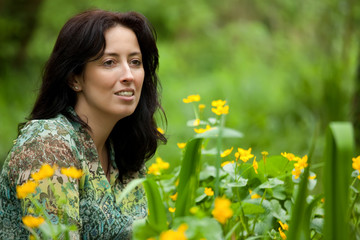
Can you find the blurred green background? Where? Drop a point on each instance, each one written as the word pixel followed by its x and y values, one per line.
pixel 284 66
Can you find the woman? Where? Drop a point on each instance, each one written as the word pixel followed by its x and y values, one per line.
pixel 95 111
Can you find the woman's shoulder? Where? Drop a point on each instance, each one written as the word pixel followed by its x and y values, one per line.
pixel 58 127
pixel 42 141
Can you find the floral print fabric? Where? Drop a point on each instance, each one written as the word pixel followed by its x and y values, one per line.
pixel 91 202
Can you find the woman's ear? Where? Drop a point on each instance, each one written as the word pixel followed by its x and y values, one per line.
pixel 74 83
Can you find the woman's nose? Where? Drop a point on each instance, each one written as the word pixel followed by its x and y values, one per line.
pixel 126 73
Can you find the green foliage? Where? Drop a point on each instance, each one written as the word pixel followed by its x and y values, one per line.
pixel 338 152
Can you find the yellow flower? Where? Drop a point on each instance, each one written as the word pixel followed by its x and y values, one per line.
pixel 25 189
pixel 32 222
pixel 179 234
pixel 160 130
pixel 264 154
pixel 181 145
pixel 282 234
pixel 220 110
pixel 162 164
pixel 218 103
pixel 243 154
pixel 296 172
pixel 255 195
pixel 209 192
pixel 196 122
pixel 255 165
pixel 302 162
pixel 312 177
pixel 172 210
pixel 222 210
pixel 156 167
pixel 201 107
pixel 226 162
pixel 289 156
pixel 192 98
pixel 45 171
pixel 202 130
pixel 72 172
pixel 226 152
pixel 174 197
pixel 284 226
pixel 356 163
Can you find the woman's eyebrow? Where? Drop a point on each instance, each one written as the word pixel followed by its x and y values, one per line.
pixel 114 54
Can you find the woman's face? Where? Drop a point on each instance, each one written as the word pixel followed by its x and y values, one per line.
pixel 111 86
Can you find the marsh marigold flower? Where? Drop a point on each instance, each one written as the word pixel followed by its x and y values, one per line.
pixel 201 107
pixel 284 226
pixel 172 210
pixel 282 234
pixel 174 197
pixel 356 163
pixel 192 98
pixel 222 210
pixel 255 165
pixel 296 172
pixel 226 152
pixel 160 130
pixel 45 171
pixel 219 107
pixel 289 156
pixel 181 145
pixel 179 234
pixel 32 222
pixel 243 154
pixel 255 195
pixel 72 172
pixel 202 130
pixel 209 192
pixel 28 187
pixel 301 162
pixel 196 122
pixel 226 163
pixel 159 165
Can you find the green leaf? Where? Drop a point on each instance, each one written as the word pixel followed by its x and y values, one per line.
pixel 206 227
pixel 338 153
pixel 271 183
pixel 142 230
pixel 241 182
pixel 214 133
pixel 276 166
pixel 252 208
pixel 188 177
pixel 277 211
pixel 157 214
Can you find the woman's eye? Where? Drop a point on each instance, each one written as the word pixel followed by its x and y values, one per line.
pixel 136 62
pixel 109 63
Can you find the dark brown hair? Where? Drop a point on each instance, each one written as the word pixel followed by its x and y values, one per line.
pixel 135 138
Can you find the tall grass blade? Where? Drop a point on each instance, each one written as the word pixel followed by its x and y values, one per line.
pixel 189 177
pixel 157 214
pixel 300 220
pixel 338 153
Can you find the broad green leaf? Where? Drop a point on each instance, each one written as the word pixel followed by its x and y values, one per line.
pixel 271 183
pixel 214 133
pixel 276 166
pixel 251 208
pixel 277 211
pixel 241 182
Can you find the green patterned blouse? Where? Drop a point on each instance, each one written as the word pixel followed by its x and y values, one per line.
pixel 92 202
